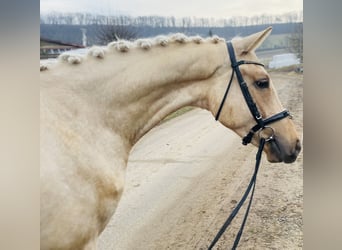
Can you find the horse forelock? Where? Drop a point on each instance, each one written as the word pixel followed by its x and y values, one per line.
pixel 124 46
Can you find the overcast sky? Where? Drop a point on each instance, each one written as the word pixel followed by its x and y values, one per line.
pixel 178 8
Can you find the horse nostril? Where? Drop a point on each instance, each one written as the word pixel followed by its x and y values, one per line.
pixel 298 147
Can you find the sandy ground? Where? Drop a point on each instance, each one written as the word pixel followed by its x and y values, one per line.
pixel 186 175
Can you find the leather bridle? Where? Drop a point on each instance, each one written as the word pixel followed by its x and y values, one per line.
pixel 261 123
pixel 263 138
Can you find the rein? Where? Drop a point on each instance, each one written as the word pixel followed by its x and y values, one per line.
pixel 260 127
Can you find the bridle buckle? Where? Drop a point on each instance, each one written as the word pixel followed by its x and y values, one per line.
pixel 259 117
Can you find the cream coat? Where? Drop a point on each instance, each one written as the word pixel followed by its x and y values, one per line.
pixel 95 108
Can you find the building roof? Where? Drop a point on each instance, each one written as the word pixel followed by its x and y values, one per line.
pixel 50 41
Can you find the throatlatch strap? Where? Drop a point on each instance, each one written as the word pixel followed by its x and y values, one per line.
pixel 224 97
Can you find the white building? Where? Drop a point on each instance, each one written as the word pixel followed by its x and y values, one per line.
pixel 283 60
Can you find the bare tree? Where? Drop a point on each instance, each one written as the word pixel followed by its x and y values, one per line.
pixel 160 21
pixel 296 41
pixel 108 33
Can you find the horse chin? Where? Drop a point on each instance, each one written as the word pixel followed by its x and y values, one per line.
pixel 273 152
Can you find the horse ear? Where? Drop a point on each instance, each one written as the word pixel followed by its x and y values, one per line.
pixel 252 42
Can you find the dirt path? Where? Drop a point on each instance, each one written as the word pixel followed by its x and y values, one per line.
pixel 185 176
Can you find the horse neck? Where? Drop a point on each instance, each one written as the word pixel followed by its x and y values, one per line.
pixel 136 94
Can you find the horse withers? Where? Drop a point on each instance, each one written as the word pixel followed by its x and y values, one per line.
pixel 94 108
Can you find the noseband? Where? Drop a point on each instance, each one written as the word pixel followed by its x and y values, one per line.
pixel 261 123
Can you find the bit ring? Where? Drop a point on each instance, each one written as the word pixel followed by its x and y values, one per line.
pixel 266 133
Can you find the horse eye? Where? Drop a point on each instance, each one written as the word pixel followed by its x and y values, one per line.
pixel 262 84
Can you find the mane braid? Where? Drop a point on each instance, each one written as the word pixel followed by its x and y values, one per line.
pixel 124 46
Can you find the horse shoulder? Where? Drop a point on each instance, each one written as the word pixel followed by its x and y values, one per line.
pixel 83 170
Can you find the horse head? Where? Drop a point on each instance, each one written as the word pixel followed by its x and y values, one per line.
pixel 235 114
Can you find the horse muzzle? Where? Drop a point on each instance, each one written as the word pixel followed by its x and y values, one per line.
pixel 279 152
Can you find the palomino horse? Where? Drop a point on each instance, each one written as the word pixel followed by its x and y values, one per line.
pixel 93 109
